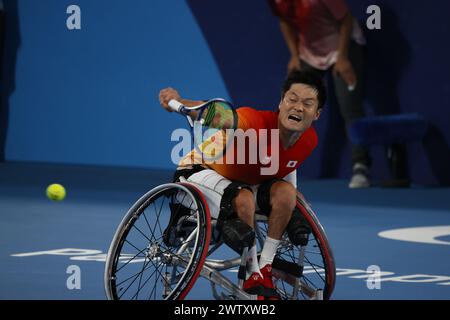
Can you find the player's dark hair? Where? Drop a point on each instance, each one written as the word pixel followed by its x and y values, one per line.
pixel 308 78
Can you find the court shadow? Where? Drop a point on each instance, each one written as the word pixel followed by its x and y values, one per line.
pixel 10 43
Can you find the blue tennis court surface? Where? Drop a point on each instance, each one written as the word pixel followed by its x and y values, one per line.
pixel 43 241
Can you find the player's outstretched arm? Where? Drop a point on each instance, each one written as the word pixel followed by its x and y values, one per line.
pixel 167 94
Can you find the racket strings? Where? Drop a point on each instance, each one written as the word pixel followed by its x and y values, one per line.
pixel 213 138
pixel 218 116
pixel 209 116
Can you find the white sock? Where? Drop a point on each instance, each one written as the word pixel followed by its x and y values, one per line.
pixel 252 262
pixel 268 252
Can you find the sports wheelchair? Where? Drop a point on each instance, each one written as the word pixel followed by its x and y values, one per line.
pixel 144 261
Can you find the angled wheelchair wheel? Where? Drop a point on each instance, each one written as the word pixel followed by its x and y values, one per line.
pixel 160 246
pixel 305 271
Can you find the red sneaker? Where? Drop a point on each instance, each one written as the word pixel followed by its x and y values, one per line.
pixel 269 290
pixel 253 285
pixel 266 271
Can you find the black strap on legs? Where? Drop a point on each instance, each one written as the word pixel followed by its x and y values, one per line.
pixel 298 228
pixel 263 195
pixel 235 233
pixel 226 204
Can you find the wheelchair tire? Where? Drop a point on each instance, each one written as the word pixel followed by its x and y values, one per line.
pixel 318 271
pixel 323 244
pixel 140 264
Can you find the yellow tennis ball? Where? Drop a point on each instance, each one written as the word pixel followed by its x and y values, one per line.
pixel 56 192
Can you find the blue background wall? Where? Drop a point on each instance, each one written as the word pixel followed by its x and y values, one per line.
pixel 90 96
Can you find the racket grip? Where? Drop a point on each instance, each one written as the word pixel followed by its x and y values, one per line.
pixel 175 105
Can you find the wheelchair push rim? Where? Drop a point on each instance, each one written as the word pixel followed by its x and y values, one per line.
pixel 303 272
pixel 168 270
pixel 323 243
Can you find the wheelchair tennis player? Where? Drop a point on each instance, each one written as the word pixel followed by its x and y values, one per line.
pixel 242 189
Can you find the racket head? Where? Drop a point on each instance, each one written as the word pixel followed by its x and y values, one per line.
pixel 214 128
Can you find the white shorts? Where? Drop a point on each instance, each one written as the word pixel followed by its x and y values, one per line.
pixel 213 185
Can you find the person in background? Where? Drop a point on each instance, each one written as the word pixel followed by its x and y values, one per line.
pixel 323 36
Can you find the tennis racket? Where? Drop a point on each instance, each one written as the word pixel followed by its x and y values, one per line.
pixel 213 124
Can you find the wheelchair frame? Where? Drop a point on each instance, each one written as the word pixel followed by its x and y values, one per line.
pixel 210 269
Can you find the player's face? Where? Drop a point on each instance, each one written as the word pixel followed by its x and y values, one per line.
pixel 298 108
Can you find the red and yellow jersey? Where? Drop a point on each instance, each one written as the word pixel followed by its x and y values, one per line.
pixel 263 159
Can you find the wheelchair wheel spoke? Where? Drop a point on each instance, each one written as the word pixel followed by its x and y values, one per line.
pixel 159 214
pixel 154 287
pixel 126 263
pixel 317 273
pixel 146 221
pixel 145 282
pixel 156 283
pixel 301 292
pixel 135 278
pixel 152 231
pixel 313 276
pixel 134 275
pixel 136 295
pixel 143 234
pixel 284 287
pixel 126 241
pixel 309 281
pixel 143 261
pixel 312 252
pixel 289 253
pixel 140 278
pixel 314 265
